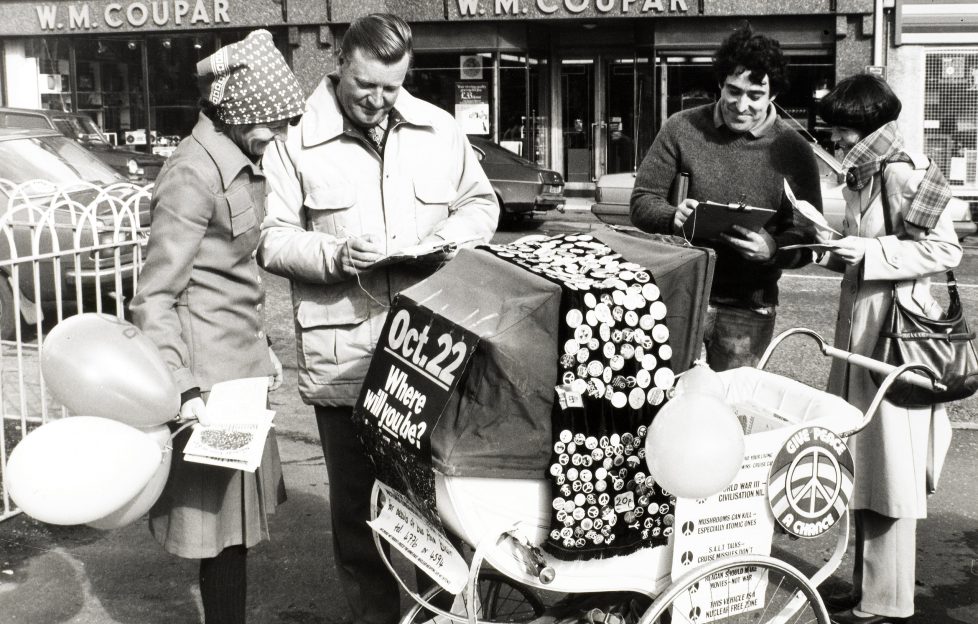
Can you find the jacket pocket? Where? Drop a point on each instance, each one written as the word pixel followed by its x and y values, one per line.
pixel 334 333
pixel 328 208
pixel 434 197
pixel 243 215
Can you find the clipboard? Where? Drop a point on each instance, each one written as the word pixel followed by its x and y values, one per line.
pixel 711 219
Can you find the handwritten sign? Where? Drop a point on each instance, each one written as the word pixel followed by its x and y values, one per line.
pixel 417 539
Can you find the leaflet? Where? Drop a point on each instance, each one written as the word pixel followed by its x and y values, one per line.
pixel 238 424
pixel 808 212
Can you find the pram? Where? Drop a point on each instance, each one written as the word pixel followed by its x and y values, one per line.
pixel 505 521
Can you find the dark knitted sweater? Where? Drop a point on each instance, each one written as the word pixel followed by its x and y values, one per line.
pixel 725 166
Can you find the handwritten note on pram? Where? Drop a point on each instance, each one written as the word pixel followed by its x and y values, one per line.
pixel 417 539
pixel 737 521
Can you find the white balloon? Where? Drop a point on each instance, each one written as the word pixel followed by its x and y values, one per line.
pixel 701 379
pixel 79 469
pixel 695 446
pixel 144 500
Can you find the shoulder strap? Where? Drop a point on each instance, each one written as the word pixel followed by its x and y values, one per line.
pixel 952 284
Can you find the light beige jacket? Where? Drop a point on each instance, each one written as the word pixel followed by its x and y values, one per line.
pixel 899 449
pixel 326 184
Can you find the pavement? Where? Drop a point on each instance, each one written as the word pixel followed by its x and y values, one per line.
pixel 79 575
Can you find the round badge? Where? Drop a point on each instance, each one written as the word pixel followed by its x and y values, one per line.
pixel 604 332
pixel 574 318
pixel 650 292
pixel 591 443
pixel 643 378
pixel 617 312
pixel 590 300
pixel 810 481
pixel 658 310
pixel 595 368
pixel 582 334
pixel 566 436
pixel 572 474
pixel 608 349
pixel 656 396
pixel 649 362
pixel 636 398
pixel 631 318
pixel 664 377
pixel 660 333
pixel 617 362
pixel 603 311
pixel 646 322
pixel 591 318
pixel 665 352
pixel 619 400
pixel 559 447
pixel 642 277
pixel 593 344
pixel 628 351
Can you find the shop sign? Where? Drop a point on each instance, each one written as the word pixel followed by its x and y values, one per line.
pixel 487 9
pixel 87 16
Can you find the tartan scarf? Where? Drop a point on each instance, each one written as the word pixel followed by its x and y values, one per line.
pixel 885 146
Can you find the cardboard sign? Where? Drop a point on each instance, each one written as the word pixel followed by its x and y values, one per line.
pixel 414 371
pixel 420 541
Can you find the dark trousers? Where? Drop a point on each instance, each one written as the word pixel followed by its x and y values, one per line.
pixel 370 590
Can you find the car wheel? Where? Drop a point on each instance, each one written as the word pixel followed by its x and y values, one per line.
pixel 8 322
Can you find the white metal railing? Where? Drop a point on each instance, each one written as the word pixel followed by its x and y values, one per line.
pixel 62 251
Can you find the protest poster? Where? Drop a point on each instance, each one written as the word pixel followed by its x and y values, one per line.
pixel 416 367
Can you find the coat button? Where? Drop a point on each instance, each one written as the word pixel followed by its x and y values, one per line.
pixel 261 334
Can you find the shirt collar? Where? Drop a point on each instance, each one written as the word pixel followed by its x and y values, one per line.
pixel 757 132
pixel 227 156
pixel 324 119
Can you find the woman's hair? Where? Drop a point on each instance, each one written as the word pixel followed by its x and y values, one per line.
pixel 758 54
pixel 382 36
pixel 863 102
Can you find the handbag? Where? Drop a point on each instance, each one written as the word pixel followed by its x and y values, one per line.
pixel 944 344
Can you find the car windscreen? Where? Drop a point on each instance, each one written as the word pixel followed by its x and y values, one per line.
pixel 57 160
pixel 81 128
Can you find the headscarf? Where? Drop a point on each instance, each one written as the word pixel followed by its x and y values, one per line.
pixel 885 146
pixel 248 82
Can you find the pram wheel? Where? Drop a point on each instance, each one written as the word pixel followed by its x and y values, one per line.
pixel 501 599
pixel 777 591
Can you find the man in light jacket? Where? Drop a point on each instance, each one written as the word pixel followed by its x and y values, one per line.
pixel 371 170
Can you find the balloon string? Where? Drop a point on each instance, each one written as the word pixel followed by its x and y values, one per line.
pixel 185 425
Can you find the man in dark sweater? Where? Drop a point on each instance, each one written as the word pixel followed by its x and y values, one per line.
pixel 737 150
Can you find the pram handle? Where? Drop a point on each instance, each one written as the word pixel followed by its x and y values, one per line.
pixel 929 380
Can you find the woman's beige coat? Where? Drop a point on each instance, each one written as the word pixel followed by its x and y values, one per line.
pixel 896 452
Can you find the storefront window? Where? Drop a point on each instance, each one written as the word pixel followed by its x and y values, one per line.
pixel 458 82
pixel 951 116
pixel 523 123
pixel 463 83
pixel 104 78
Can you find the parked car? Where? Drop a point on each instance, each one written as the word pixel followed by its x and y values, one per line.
pixel 522 187
pixel 139 167
pixel 57 197
pixel 614 191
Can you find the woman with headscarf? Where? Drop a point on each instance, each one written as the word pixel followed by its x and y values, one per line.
pixel 899 454
pixel 200 299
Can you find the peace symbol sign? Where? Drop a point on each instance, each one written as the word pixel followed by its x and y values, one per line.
pixel 814 481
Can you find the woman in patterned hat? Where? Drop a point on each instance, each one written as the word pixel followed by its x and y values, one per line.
pixel 200 299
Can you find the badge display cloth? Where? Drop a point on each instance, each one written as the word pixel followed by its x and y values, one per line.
pixel 614 373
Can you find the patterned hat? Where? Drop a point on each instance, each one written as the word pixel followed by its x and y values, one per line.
pixel 250 83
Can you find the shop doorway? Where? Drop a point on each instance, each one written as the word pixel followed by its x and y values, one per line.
pixel 607 110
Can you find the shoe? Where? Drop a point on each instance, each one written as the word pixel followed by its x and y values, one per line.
pixel 848 617
pixel 842 601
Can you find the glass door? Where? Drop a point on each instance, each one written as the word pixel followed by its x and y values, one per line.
pixel 607 113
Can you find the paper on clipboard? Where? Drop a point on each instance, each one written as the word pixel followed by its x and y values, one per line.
pixel 808 211
pixel 711 219
pixel 420 252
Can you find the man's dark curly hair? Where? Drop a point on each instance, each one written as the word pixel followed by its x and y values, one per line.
pixel 759 54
